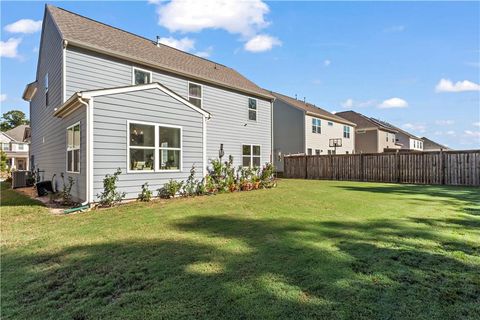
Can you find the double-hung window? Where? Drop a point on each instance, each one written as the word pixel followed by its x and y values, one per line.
pixel 346 132
pixel 73 148
pixel 252 109
pixel 154 147
pixel 330 124
pixel 316 125
pixel 141 76
pixel 251 155
pixel 21 146
pixel 195 94
pixel 5 146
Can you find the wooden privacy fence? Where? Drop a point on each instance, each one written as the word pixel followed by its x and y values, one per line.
pixel 447 167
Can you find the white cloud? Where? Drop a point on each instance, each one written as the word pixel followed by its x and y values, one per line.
pixel 444 122
pixel 476 124
pixel 262 42
pixel 350 103
pixel 399 28
pixel 237 17
pixel 419 127
pixel 24 26
pixel 450 133
pixel 327 62
pixel 205 53
pixel 184 44
pixel 393 103
pixel 473 134
pixel 3 97
pixel 446 85
pixel 9 48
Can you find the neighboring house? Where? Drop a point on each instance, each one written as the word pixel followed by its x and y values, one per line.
pixel 430 145
pixel 371 136
pixel 105 99
pixel 301 127
pixel 14 143
pixel 406 140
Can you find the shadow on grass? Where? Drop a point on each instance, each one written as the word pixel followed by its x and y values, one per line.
pixel 261 269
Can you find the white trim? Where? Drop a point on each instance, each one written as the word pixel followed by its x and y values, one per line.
pixel 64 73
pixel 317 126
pixel 251 145
pixel 68 149
pixel 156 148
pixel 143 70
pixel 248 110
pixel 201 92
pixel 204 149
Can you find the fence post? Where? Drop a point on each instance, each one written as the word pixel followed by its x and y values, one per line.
pixel 442 166
pixel 306 167
pixel 397 157
pixel 362 169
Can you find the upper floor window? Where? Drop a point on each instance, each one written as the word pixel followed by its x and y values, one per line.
pixel 21 146
pixel 251 155
pixel 316 125
pixel 330 123
pixel 5 146
pixel 141 76
pixel 252 109
pixel 346 132
pixel 73 148
pixel 45 83
pixel 195 94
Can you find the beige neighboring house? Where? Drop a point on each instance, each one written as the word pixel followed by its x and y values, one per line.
pixel 371 136
pixel 406 140
pixel 430 145
pixel 15 144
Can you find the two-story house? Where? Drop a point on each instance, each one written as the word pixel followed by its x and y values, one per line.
pixel 371 136
pixel 430 145
pixel 105 98
pixel 406 140
pixel 301 127
pixel 15 144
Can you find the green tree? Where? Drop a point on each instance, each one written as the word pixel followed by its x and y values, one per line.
pixel 3 161
pixel 12 119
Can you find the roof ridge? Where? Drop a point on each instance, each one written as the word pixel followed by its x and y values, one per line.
pixel 135 35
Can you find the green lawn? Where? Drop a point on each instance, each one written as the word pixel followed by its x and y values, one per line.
pixel 308 249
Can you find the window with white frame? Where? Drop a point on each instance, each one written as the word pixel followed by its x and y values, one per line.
pixel 154 147
pixel 252 109
pixel 346 132
pixel 73 148
pixel 21 146
pixel 141 76
pixel 5 146
pixel 317 152
pixel 195 94
pixel 45 83
pixel 330 123
pixel 316 125
pixel 251 155
pixel 309 151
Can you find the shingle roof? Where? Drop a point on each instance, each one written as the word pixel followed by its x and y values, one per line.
pixel 311 109
pixel 385 123
pixel 363 122
pixel 430 144
pixel 96 36
pixel 18 133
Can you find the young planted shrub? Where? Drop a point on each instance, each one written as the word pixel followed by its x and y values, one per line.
pixel 146 194
pixel 170 189
pixel 190 186
pixel 66 193
pixel 267 176
pixel 110 196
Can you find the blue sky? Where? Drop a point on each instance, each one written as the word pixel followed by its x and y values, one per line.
pixel 385 60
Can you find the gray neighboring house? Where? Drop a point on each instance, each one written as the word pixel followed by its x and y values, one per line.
pixel 15 144
pixel 430 145
pixel 105 98
pixel 301 127
pixel 371 136
pixel 406 140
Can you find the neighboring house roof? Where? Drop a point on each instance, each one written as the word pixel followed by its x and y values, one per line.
pixel 364 122
pixel 396 128
pixel 74 101
pixel 430 144
pixel 96 36
pixel 311 109
pixel 19 134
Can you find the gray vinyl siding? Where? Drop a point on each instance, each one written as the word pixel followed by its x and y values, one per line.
pixel 111 113
pixel 48 145
pixel 87 70
pixel 288 131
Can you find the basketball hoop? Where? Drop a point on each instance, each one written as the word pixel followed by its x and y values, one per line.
pixel 335 143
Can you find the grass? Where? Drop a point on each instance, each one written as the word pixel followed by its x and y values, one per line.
pixel 308 249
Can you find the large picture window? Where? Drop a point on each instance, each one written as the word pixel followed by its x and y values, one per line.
pixel 195 94
pixel 252 109
pixel 73 148
pixel 251 155
pixel 153 147
pixel 316 125
pixel 141 76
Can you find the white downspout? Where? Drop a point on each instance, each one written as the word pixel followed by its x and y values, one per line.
pixel 87 110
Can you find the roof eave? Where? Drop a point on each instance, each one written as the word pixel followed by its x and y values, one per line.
pixel 330 118
pixel 29 91
pixel 146 63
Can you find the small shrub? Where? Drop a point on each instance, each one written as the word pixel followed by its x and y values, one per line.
pixel 66 194
pixel 170 189
pixel 190 186
pixel 201 189
pixel 146 194
pixel 267 176
pixel 110 196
